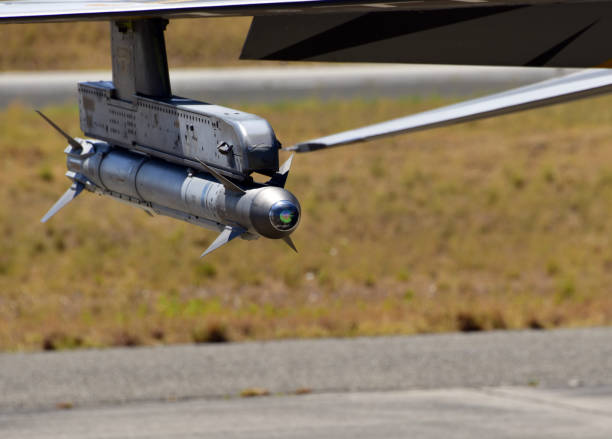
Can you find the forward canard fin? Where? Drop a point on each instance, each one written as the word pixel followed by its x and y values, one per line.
pixel 73 191
pixel 226 235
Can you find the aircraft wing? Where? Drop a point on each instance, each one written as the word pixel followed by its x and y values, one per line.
pixel 578 85
pixel 564 33
pixel 24 11
pixel 531 33
pixel 70 10
pixel 78 10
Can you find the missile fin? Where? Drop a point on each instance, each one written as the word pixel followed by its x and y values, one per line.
pixel 290 243
pixel 224 237
pixel 71 140
pixel 284 169
pixel 280 178
pixel 72 192
pixel 221 179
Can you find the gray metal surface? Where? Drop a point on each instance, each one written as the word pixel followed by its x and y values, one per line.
pixel 450 413
pixel 228 234
pixel 270 84
pixel 180 130
pixel 72 10
pixel 484 33
pixel 167 189
pixel 548 359
pixel 138 111
pixel 575 86
pixel 140 64
pixel 73 191
pixel 568 33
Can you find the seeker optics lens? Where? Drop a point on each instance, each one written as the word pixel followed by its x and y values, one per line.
pixel 284 215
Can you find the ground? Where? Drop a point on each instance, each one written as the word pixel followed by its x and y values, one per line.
pixel 496 224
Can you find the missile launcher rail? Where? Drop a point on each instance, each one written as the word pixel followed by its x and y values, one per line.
pixel 180 130
pixel 172 156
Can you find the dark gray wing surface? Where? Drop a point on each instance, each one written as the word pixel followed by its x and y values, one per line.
pixel 563 33
pixel 486 33
pixel 578 85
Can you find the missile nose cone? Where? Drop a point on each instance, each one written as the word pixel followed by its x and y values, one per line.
pixel 284 215
pixel 275 212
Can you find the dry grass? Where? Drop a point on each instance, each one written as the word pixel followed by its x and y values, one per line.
pixel 86 45
pixel 496 224
pixel 254 391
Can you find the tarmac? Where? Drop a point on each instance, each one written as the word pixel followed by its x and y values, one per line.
pixel 448 413
pixel 505 384
pixel 232 86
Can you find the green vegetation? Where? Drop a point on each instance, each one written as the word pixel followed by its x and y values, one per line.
pixel 504 223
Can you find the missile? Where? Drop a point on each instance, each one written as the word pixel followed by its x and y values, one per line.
pixel 206 199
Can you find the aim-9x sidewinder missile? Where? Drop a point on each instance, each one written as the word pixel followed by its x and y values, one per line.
pixel 206 199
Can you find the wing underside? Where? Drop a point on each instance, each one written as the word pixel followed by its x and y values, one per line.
pixel 565 33
pixel 552 35
pixel 74 10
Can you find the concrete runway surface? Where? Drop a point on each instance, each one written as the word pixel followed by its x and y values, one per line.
pixel 514 384
pixel 552 384
pixel 264 84
pixel 454 413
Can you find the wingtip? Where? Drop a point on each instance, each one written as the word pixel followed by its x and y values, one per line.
pixel 47 217
pixel 306 147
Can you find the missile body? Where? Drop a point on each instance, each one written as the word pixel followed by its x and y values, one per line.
pixel 157 186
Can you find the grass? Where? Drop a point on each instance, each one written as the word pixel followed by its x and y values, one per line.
pixel 86 45
pixel 495 224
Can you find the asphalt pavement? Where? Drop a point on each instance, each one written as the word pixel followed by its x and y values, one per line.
pixel 517 384
pixel 446 414
pixel 268 84
pixel 546 359
pixel 511 384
